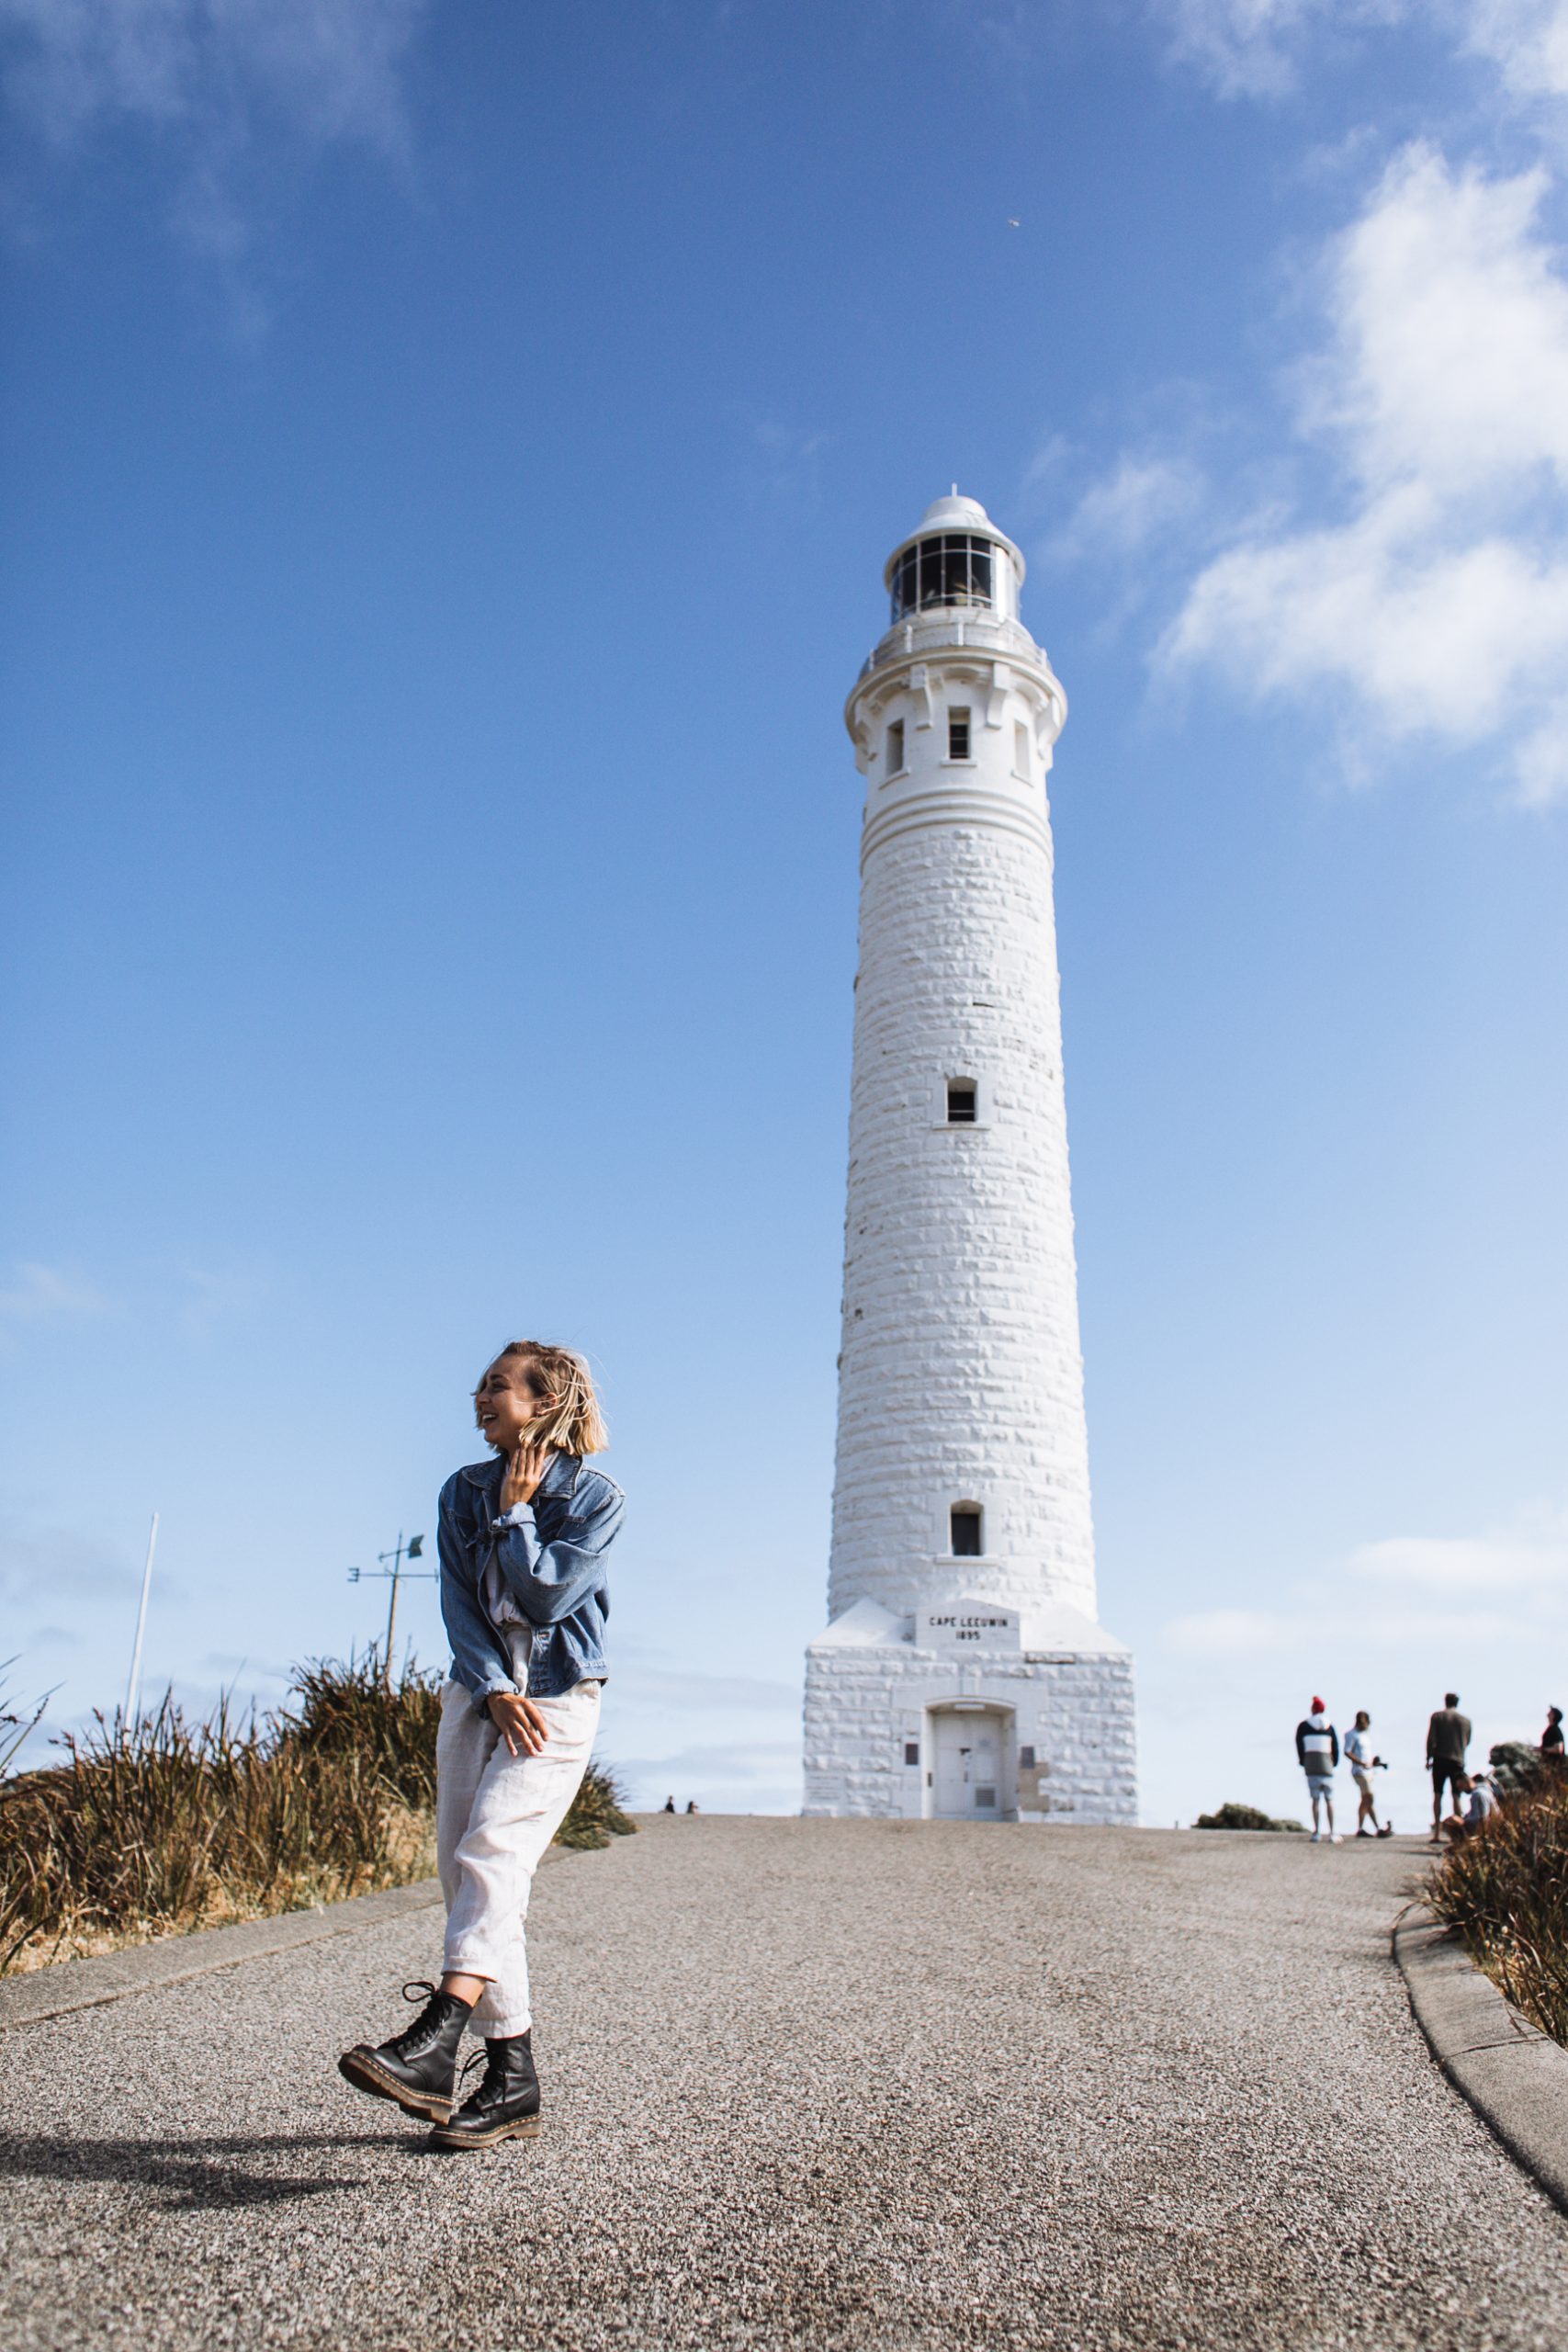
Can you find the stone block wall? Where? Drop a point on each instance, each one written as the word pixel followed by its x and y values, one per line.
pixel 862 1703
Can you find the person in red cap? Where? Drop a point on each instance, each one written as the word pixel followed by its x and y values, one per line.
pixel 1318 1752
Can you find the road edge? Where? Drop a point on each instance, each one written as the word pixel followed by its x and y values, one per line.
pixel 1515 2077
pixel 143 1968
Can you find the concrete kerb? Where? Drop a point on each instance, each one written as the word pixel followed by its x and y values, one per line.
pixel 86 1983
pixel 1515 2077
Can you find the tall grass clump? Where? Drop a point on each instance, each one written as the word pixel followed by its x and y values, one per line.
pixel 162 1825
pixel 1504 1888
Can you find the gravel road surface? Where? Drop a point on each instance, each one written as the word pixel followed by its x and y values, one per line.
pixel 880 2084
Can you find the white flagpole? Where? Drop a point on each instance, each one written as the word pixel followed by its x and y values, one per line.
pixel 133 1686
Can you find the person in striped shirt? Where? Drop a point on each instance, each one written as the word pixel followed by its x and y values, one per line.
pixel 1318 1752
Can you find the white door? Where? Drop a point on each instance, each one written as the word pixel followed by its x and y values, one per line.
pixel 969 1751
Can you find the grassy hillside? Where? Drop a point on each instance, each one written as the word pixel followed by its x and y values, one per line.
pixel 165 1826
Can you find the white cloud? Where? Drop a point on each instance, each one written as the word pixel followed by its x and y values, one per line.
pixel 749 1776
pixel 1250 48
pixel 1346 1620
pixel 1450 316
pixel 40 1568
pixel 1231 1632
pixel 1144 495
pixel 1256 48
pixel 1525 39
pixel 1437 605
pixel 1511 1561
pixel 644 1684
pixel 332 65
pixel 218 1295
pixel 217 84
pixel 36 1292
pixel 1348 1600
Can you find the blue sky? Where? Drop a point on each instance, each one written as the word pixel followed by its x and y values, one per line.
pixel 451 455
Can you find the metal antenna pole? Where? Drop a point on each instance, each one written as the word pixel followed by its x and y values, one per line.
pixel 392 1611
pixel 134 1686
pixel 413 1549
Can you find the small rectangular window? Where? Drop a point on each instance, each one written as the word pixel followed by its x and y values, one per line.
pixel 896 748
pixel 1021 750
pixel 912 1751
pixel 985 1797
pixel 1026 1759
pixel 965 1520
pixel 958 734
pixel 961 1104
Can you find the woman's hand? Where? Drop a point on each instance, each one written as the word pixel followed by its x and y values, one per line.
pixel 525 1468
pixel 518 1721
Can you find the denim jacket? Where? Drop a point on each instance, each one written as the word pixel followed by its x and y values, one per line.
pixel 551 1553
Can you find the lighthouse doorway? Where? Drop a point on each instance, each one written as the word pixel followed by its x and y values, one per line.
pixel 969 1754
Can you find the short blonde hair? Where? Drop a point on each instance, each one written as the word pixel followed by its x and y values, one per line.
pixel 574 1422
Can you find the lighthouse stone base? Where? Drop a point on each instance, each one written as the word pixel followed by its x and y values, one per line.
pixel 968 1710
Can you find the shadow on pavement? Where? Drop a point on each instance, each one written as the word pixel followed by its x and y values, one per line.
pixel 189 2174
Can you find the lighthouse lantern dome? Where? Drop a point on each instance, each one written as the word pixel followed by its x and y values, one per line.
pixel 957 560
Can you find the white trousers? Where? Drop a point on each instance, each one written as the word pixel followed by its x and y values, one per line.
pixel 495 1813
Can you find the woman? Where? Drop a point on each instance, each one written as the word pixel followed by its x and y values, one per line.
pixel 523 1540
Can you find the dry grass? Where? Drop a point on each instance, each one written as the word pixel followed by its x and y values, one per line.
pixel 1505 1889
pixel 165 1826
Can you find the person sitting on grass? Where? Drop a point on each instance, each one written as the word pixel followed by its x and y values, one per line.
pixel 1453 1825
pixel 1362 1766
pixel 522 1541
pixel 1474 1799
pixel 1551 1737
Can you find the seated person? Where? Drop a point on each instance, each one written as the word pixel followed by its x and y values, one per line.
pixel 1474 1798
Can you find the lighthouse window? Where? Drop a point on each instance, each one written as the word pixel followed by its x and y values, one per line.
pixel 896 748
pixel 961 1101
pixel 964 1519
pixel 1021 750
pixel 951 569
pixel 958 734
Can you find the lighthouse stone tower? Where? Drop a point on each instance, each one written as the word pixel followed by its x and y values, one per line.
pixel 964 1673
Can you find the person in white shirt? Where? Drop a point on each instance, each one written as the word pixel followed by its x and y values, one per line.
pixel 1481 1801
pixel 1363 1764
pixel 1474 1799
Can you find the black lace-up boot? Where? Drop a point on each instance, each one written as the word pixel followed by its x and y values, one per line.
pixel 418 2067
pixel 506 2104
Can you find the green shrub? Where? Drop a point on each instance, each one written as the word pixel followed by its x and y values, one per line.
pixel 597 1812
pixel 163 1826
pixel 1242 1817
pixel 1518 1769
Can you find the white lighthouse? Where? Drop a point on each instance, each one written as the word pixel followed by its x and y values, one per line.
pixel 964 1673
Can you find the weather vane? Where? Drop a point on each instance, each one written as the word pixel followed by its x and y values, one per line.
pixel 395 1575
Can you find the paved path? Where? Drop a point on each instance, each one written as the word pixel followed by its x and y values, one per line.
pixel 882 2085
